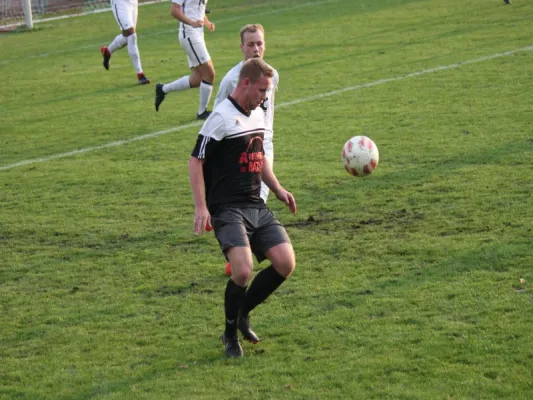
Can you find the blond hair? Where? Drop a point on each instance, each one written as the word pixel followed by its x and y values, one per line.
pixel 251 28
pixel 254 69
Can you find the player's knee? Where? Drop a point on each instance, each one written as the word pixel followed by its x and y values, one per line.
pixel 209 75
pixel 241 275
pixel 128 32
pixel 196 78
pixel 283 259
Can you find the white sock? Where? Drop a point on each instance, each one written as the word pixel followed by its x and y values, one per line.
pixel 117 43
pixel 133 51
pixel 205 94
pixel 180 84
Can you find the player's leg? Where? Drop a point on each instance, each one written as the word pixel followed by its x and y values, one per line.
pixel 241 259
pixel 207 78
pixel 120 12
pixel 272 242
pixel 231 233
pixel 183 83
pixel 133 49
pixel 269 279
pixel 203 74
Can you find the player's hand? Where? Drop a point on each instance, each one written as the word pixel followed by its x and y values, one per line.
pixel 197 23
pixel 288 199
pixel 211 27
pixel 202 220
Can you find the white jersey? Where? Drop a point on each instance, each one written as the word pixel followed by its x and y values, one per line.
pixel 195 10
pixel 228 85
pixel 231 121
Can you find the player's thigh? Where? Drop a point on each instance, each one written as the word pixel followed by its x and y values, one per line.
pixel 242 264
pixel 231 229
pixel 196 51
pixel 207 71
pixel 135 15
pixel 269 233
pixel 123 14
pixel 282 258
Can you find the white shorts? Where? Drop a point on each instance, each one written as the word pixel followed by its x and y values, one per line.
pixel 125 13
pixel 196 51
pixel 269 154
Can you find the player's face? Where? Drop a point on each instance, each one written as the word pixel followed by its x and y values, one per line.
pixel 253 45
pixel 256 92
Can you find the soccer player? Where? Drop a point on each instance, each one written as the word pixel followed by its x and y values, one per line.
pixel 192 18
pixel 226 168
pixel 125 12
pixel 253 46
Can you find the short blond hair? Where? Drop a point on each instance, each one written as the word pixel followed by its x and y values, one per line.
pixel 251 28
pixel 254 69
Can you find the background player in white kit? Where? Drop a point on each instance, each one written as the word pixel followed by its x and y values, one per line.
pixel 192 18
pixel 125 12
pixel 253 46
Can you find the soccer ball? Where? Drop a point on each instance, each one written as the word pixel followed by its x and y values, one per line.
pixel 360 156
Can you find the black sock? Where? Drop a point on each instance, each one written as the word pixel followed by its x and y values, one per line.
pixel 264 284
pixel 233 298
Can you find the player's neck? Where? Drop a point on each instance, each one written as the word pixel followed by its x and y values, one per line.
pixel 237 100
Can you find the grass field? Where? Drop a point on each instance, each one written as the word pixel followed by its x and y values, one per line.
pixel 412 283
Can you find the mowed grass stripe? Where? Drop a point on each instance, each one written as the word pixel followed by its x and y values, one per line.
pixel 281 105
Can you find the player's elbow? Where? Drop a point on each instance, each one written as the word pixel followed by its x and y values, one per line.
pixel 175 10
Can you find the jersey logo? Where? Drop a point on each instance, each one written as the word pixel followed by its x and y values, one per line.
pixel 251 160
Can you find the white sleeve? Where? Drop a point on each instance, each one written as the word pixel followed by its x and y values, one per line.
pixel 179 2
pixel 227 86
pixel 214 127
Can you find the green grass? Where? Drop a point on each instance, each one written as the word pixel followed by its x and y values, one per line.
pixel 408 281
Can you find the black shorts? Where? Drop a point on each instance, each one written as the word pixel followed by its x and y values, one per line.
pixel 256 228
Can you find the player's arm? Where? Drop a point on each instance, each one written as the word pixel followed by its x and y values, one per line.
pixel 176 11
pixel 196 177
pixel 269 178
pixel 210 135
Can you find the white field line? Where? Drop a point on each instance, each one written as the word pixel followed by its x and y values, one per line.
pixel 174 30
pixel 282 105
